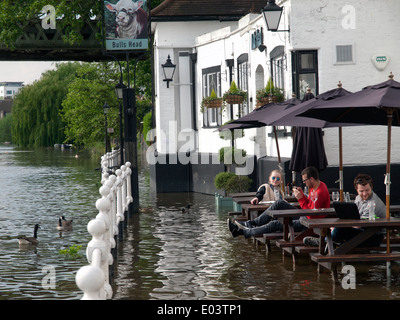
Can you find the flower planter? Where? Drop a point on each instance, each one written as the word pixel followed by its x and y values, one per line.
pixel 213 103
pixel 223 202
pixel 234 99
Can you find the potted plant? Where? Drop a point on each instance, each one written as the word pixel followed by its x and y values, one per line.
pixel 230 183
pixel 234 95
pixel 212 101
pixel 269 94
pixel 232 150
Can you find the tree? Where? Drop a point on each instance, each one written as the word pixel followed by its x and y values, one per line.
pixel 36 121
pixel 23 13
pixel 5 128
pixel 82 109
pixel 74 14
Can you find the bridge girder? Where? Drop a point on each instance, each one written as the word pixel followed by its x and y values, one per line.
pixel 38 44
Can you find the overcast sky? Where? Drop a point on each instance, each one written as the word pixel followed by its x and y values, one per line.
pixel 27 72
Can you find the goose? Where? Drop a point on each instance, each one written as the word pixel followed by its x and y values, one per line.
pixel 59 225
pixel 66 224
pixel 30 240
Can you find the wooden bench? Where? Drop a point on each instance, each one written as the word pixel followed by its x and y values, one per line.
pixel 266 239
pixel 235 213
pixel 320 258
pixel 306 249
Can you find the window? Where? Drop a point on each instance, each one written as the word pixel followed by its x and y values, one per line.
pixel 212 80
pixel 242 81
pixel 344 54
pixel 278 67
pixel 305 72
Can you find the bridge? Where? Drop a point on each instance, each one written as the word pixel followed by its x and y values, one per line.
pixel 39 44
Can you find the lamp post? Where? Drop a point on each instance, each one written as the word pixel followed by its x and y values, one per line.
pixel 272 15
pixel 119 91
pixel 106 108
pixel 169 70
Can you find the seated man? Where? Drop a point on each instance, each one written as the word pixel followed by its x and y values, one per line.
pixel 264 223
pixel 363 186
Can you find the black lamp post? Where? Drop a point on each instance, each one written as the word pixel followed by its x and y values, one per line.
pixel 169 70
pixel 119 89
pixel 106 108
pixel 272 15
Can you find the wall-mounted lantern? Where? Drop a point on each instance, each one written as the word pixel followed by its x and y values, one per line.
pixel 272 15
pixel 169 70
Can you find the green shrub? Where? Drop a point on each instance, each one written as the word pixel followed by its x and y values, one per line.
pixel 147 126
pixel 232 183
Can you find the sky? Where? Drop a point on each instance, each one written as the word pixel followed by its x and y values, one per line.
pixel 26 72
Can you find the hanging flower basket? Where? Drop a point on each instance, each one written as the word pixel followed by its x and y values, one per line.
pixel 234 95
pixel 265 100
pixel 234 99
pixel 217 103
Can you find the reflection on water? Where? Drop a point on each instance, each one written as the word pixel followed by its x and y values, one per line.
pixel 38 187
pixel 190 255
pixel 167 253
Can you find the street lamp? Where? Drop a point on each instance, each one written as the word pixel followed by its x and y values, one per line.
pixel 106 108
pixel 169 70
pixel 272 15
pixel 119 91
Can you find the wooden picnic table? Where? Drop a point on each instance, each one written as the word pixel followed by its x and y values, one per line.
pixel 241 200
pixel 329 259
pixel 286 217
pixel 252 211
pixel 243 194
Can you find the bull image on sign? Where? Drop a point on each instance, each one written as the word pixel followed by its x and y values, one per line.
pixel 125 25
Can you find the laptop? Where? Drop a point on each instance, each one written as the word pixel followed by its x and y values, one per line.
pixel 346 210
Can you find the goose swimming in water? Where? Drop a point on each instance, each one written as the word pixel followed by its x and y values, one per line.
pixel 66 225
pixel 23 240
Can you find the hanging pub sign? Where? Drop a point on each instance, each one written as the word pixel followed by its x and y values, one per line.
pixel 125 24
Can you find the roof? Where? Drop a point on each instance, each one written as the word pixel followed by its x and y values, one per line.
pixel 192 10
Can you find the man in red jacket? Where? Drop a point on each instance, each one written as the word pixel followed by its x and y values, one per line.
pixel 264 223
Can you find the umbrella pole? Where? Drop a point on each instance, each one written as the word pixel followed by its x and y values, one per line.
pixel 387 177
pixel 279 160
pixel 341 163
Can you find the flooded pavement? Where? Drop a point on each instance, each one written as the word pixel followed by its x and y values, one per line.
pixel 167 253
pixel 174 255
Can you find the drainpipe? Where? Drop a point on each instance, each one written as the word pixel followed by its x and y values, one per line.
pixel 229 64
pixel 193 59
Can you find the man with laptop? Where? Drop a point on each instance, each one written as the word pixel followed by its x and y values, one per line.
pixel 357 210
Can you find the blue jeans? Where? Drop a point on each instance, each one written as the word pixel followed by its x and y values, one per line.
pixel 264 223
pixel 341 235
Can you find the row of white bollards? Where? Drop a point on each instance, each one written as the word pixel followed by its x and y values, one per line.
pixel 116 195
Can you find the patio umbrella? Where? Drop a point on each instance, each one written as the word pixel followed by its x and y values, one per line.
pixel 252 120
pixel 291 118
pixel 286 114
pixel 308 147
pixel 375 105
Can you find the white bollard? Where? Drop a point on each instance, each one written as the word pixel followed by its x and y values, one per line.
pixel 116 195
pixel 129 198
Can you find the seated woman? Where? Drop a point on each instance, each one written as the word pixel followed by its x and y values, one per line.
pixel 270 191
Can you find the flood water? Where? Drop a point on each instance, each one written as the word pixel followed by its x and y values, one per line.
pixel 166 253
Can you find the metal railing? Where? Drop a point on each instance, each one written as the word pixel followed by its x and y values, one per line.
pixel 116 195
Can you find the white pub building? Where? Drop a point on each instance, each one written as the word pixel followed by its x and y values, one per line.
pixel 317 44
